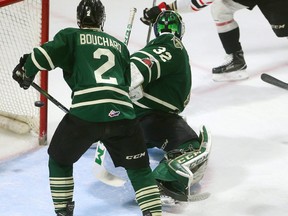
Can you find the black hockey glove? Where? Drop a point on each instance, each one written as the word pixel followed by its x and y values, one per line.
pixel 19 75
pixel 150 14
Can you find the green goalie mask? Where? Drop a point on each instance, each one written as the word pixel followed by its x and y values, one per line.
pixel 171 22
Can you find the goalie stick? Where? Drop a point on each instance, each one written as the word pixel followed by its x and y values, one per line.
pixel 274 81
pixel 129 26
pixel 169 201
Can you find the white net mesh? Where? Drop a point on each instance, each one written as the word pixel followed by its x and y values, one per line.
pixel 20 25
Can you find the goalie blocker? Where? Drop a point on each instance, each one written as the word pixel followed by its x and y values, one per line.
pixel 180 170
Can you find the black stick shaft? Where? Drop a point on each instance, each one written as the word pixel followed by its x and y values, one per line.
pixel 274 81
pixel 49 97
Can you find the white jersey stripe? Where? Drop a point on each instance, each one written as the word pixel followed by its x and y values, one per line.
pixel 36 63
pixel 47 57
pixel 101 101
pixel 102 88
pixel 163 103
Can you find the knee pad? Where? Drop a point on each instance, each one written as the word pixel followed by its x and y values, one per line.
pixel 222 12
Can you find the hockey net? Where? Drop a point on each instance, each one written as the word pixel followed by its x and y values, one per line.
pixel 24 25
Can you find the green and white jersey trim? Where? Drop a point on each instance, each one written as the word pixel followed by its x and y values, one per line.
pixel 101 101
pixel 156 100
pixel 102 88
pixel 156 61
pixel 141 105
pixel 45 54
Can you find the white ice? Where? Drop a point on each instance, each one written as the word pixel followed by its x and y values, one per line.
pixel 247 173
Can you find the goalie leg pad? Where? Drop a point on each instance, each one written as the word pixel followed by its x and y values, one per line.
pixel 173 179
pixel 161 172
pixel 187 164
pixel 177 174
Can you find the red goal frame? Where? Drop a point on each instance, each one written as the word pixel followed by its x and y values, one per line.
pixel 43 74
pixel 7 2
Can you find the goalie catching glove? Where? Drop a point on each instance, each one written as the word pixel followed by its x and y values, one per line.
pixel 19 75
pixel 150 14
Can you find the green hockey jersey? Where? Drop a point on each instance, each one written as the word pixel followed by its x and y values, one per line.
pixel 96 66
pixel 164 64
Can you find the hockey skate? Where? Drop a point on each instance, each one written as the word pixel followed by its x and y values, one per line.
pixel 168 191
pixel 68 211
pixel 233 69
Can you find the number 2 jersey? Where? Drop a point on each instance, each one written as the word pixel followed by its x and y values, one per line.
pixel 96 66
pixel 164 64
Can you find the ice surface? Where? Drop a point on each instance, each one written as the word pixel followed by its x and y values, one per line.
pixel 247 173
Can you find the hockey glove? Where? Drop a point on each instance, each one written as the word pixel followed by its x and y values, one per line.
pixel 19 75
pixel 150 15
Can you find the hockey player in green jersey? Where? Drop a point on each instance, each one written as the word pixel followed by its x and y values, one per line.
pixel 160 90
pixel 96 66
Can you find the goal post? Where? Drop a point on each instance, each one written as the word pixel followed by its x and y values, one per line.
pixel 24 25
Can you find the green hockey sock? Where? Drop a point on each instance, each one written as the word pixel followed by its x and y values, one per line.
pixel 146 190
pixel 61 184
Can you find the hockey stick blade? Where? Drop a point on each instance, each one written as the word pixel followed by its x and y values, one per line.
pixel 101 173
pixel 198 197
pixel 178 197
pixel 274 81
pixel 169 201
pixel 110 179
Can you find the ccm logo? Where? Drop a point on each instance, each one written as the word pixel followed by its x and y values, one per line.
pixel 134 157
pixel 278 26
